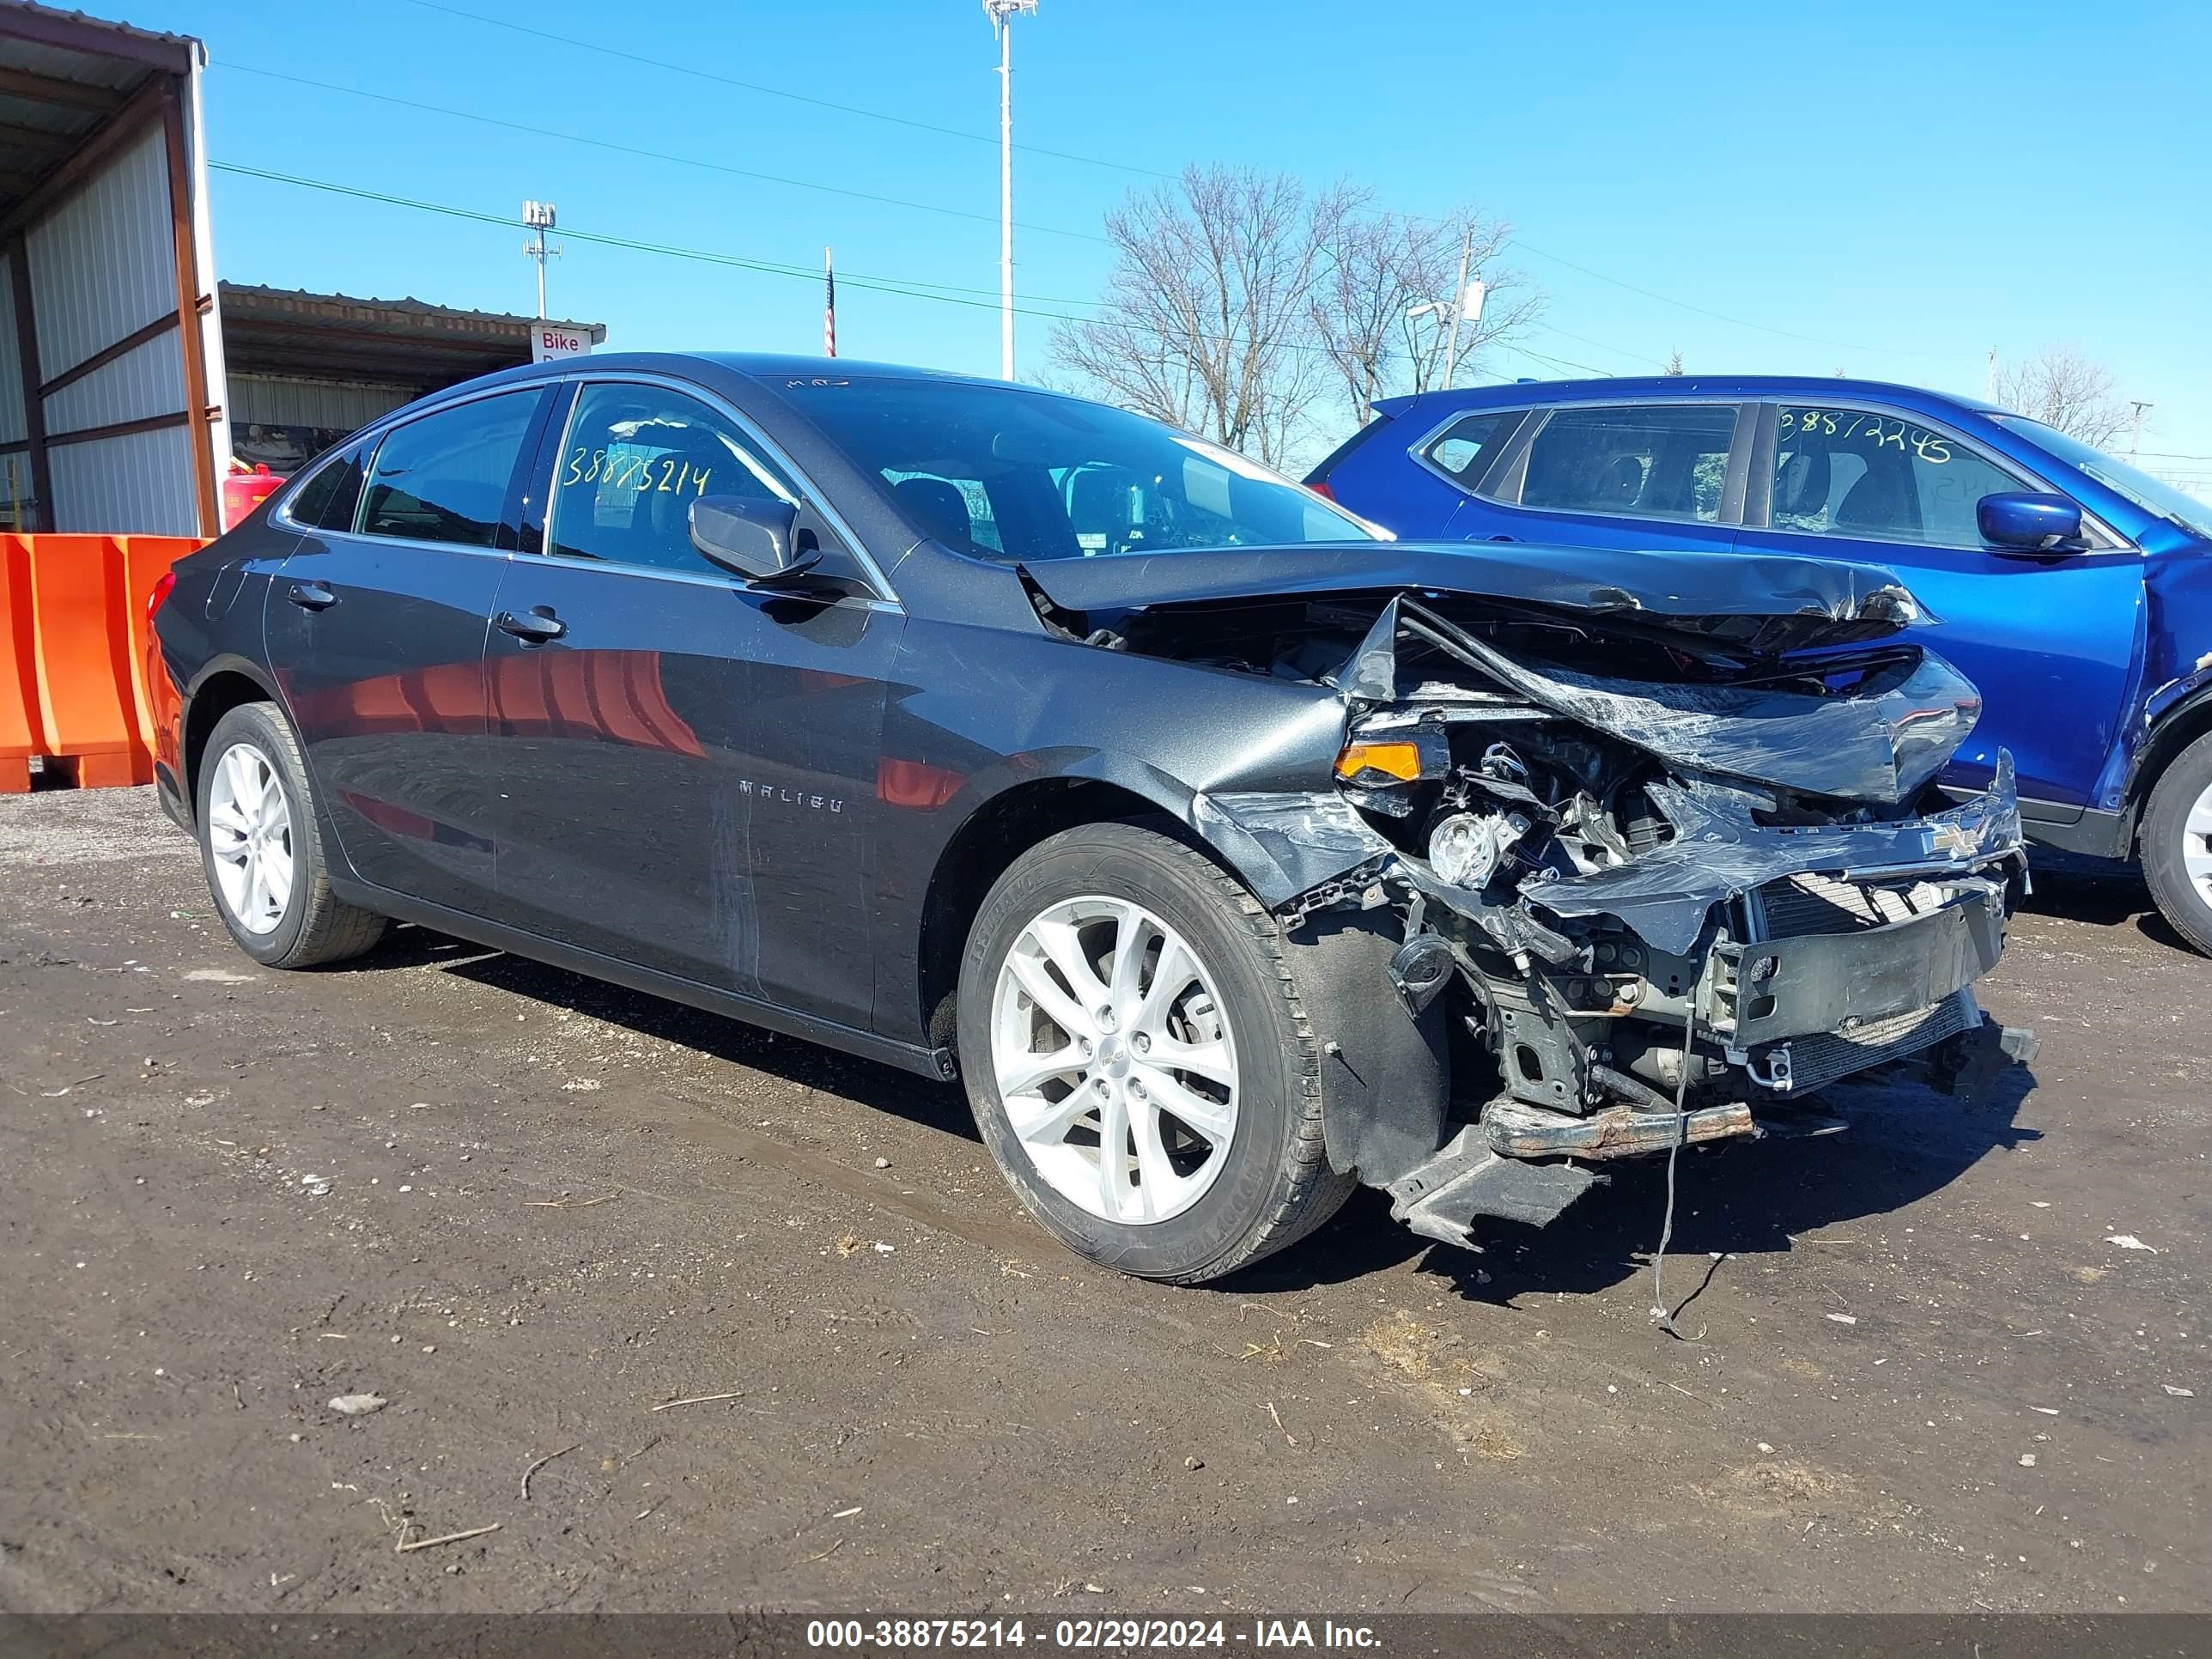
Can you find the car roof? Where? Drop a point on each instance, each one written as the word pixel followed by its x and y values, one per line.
pixel 765 367
pixel 1517 393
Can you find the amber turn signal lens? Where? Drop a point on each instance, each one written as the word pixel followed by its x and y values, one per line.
pixel 1401 760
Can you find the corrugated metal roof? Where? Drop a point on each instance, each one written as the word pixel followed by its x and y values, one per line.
pixel 63 75
pixel 22 16
pixel 405 316
pixel 293 334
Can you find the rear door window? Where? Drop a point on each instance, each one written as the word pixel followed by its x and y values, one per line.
pixel 445 477
pixel 1860 473
pixel 1463 450
pixel 326 501
pixel 1651 461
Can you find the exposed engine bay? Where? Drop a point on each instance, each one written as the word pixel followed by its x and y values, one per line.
pixel 1662 869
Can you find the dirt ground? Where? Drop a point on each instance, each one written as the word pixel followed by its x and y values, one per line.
pixel 1934 1375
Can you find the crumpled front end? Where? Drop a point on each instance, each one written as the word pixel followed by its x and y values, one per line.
pixel 1662 912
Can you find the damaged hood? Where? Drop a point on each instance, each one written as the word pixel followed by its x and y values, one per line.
pixel 1771 604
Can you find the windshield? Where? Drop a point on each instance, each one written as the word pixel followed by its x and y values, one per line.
pixel 2150 494
pixel 1004 472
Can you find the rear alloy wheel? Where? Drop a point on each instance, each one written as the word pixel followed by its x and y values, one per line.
pixel 2177 844
pixel 1138 1059
pixel 262 846
pixel 249 839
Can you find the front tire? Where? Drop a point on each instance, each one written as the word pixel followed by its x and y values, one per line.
pixel 1137 1058
pixel 2177 844
pixel 261 846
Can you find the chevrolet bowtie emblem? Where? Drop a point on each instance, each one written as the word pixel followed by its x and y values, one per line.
pixel 1951 841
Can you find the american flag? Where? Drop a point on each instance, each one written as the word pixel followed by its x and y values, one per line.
pixel 829 306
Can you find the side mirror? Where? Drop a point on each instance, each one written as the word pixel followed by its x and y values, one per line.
pixel 2031 520
pixel 749 537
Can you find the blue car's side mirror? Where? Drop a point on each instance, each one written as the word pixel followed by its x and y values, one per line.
pixel 2033 521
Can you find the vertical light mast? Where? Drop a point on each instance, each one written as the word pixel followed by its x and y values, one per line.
pixel 1002 13
pixel 539 217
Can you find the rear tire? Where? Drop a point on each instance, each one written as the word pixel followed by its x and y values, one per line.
pixel 2176 842
pixel 261 847
pixel 1222 1159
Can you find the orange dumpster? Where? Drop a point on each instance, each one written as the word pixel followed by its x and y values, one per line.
pixel 85 698
pixel 146 560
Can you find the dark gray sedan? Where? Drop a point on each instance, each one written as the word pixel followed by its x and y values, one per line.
pixel 1231 852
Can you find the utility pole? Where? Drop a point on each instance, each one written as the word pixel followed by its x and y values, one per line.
pixel 1459 305
pixel 2135 440
pixel 1002 13
pixel 1992 393
pixel 539 217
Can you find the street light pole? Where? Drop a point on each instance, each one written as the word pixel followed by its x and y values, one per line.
pixel 2134 441
pixel 1002 13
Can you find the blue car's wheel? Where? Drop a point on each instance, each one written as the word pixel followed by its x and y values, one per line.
pixel 2177 844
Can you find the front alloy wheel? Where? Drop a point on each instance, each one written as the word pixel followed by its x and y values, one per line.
pixel 1141 1062
pixel 2196 844
pixel 1112 1062
pixel 2176 839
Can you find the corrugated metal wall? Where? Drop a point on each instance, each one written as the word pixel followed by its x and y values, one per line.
pixel 103 266
pixel 137 385
pixel 15 469
pixel 11 372
pixel 270 400
pixel 140 483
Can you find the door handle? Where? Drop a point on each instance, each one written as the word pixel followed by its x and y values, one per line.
pixel 533 627
pixel 311 595
pixel 1504 538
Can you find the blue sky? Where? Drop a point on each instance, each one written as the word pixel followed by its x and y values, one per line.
pixel 1892 189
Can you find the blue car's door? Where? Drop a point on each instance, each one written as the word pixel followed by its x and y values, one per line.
pixel 1654 474
pixel 2050 639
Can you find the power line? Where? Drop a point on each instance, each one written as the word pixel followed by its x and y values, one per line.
pixel 1718 316
pixel 1555 362
pixel 600 49
pixel 1601 345
pixel 907 288
pixel 649 154
pixel 766 267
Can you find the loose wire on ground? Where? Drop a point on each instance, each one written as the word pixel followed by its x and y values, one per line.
pixel 1660 1315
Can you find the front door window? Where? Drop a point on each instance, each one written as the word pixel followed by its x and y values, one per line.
pixel 1851 473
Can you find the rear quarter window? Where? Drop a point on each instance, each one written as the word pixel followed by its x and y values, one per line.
pixel 1464 450
pixel 326 501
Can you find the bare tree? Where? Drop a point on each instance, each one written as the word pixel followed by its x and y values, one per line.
pixel 1206 319
pixel 2064 390
pixel 1381 311
pixel 1238 301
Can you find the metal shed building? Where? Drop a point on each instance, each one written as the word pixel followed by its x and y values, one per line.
pixel 305 370
pixel 110 349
